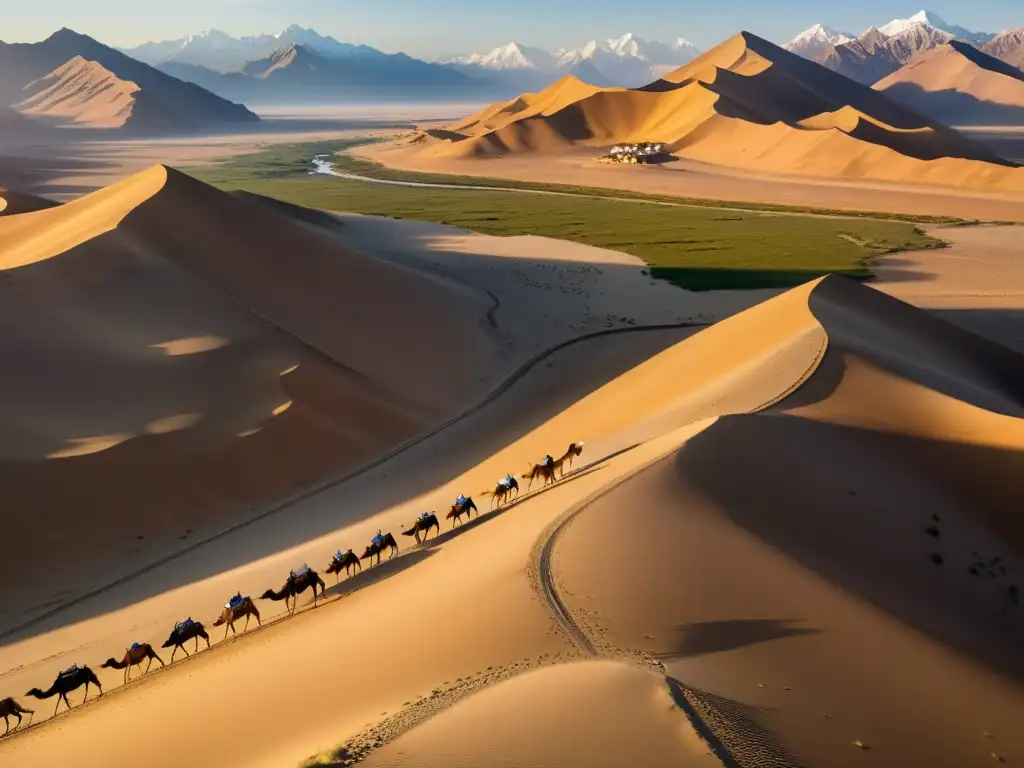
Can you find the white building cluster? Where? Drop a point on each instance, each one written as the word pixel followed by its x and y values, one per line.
pixel 641 152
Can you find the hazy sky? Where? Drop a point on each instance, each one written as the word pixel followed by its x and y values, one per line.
pixel 431 28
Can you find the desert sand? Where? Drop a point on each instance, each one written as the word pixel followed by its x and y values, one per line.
pixel 960 85
pixel 746 104
pixel 82 93
pixel 791 383
pixel 793 525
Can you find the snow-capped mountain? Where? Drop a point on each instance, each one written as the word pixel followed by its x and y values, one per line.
pixel 628 60
pixel 931 19
pixel 221 52
pixel 1008 46
pixel 511 56
pixel 816 40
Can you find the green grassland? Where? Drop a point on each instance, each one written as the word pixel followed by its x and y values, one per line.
pixel 699 245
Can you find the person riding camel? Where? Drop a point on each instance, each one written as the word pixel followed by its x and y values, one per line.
pixel 339 555
pixel 505 482
pixel 509 480
pixel 548 461
pixel 460 501
pixel 424 516
pixel 378 540
pixel 235 601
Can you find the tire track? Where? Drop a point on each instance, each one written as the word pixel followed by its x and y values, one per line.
pixel 309 493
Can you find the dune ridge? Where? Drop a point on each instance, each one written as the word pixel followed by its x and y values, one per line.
pixel 748 104
pixel 959 84
pixel 82 93
pixel 213 353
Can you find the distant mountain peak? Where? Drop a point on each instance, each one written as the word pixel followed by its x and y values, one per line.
pixel 816 40
pixel 925 18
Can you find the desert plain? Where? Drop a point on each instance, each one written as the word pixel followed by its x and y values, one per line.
pixel 782 527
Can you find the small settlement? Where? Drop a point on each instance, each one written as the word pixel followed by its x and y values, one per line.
pixel 643 152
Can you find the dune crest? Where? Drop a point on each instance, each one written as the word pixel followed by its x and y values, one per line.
pixel 748 104
pixel 960 85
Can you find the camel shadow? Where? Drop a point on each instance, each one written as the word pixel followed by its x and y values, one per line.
pixel 375 574
pixel 699 638
pixel 570 476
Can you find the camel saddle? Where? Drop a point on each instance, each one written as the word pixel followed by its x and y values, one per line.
pixel 134 646
pixel 183 624
pixel 235 602
pixel 69 671
pixel 298 573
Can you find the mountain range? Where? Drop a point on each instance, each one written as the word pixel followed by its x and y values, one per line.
pixel 882 50
pixel 627 61
pixel 299 65
pixel 71 80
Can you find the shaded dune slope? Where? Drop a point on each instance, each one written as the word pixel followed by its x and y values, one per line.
pixel 746 103
pixel 864 567
pixel 177 355
pixel 960 85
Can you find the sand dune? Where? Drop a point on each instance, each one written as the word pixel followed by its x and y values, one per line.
pixel 178 356
pixel 747 104
pixel 12 202
pixel 960 85
pixel 83 93
pixel 774 568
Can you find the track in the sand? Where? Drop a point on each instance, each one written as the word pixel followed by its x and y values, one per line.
pixel 490 397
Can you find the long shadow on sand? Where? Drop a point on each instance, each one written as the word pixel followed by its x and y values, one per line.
pixel 524 401
pixel 703 637
pixel 860 515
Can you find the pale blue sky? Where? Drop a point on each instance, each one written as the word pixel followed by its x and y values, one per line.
pixel 434 27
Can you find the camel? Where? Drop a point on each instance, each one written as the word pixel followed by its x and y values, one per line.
pixel 575 449
pixel 457 511
pixel 294 586
pixel 347 561
pixel 388 541
pixel 233 612
pixel 501 492
pixel 547 472
pixel 9 707
pixel 70 679
pixel 134 656
pixel 423 525
pixel 182 633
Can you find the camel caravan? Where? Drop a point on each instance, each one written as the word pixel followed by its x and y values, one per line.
pixel 239 607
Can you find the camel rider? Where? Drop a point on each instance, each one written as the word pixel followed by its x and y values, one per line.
pixel 424 516
pixel 378 540
pixel 509 480
pixel 460 501
pixel 505 482
pixel 234 602
pixel 548 461
pixel 339 555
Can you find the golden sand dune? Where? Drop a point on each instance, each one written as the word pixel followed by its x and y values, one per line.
pixel 82 93
pixel 870 516
pixel 747 534
pixel 177 350
pixel 959 84
pixel 748 104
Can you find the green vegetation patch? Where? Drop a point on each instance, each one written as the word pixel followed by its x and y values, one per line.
pixel 699 248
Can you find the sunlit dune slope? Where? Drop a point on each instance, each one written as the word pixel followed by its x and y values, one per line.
pixel 177 355
pixel 960 85
pixel 746 103
pixel 791 559
pixel 82 93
